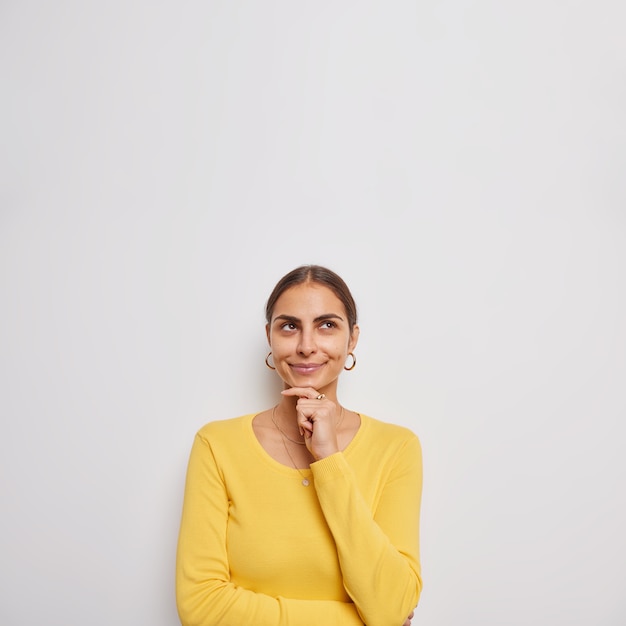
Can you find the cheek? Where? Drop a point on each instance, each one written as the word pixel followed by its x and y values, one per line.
pixel 282 347
pixel 338 348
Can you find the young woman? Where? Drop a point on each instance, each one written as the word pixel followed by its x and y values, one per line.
pixel 306 514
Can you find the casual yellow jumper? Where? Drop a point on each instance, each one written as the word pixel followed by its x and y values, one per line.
pixel 256 547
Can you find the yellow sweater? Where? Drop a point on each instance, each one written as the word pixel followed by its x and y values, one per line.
pixel 257 548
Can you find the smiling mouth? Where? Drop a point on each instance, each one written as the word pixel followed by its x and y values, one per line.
pixel 305 368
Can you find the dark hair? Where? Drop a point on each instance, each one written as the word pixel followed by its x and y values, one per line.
pixel 314 274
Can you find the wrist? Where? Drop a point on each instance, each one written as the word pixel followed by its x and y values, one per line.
pixel 323 453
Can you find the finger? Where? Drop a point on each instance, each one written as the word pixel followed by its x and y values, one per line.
pixel 305 426
pixel 301 392
pixel 305 423
pixel 315 409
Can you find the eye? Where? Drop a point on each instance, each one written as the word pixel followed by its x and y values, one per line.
pixel 288 326
pixel 328 324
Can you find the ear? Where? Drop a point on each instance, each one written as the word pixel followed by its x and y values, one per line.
pixel 267 333
pixel 354 338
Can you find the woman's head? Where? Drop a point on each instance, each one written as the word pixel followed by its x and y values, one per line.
pixel 311 327
pixel 314 274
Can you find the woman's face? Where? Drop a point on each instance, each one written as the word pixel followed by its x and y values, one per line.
pixel 310 336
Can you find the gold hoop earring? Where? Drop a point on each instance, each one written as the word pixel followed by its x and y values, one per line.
pixel 353 362
pixel 267 361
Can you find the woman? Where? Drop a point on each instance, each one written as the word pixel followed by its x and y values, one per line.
pixel 305 514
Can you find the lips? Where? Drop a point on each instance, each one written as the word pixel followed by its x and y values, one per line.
pixel 305 368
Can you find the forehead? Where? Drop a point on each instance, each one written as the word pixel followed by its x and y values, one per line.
pixel 308 299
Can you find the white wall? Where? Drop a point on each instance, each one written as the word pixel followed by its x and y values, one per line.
pixel 461 164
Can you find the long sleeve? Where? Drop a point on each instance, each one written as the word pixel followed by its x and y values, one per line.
pixel 378 540
pixel 205 592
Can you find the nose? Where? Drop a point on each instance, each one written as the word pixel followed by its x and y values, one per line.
pixel 306 345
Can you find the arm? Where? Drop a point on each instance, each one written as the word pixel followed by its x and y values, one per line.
pixel 379 552
pixel 204 592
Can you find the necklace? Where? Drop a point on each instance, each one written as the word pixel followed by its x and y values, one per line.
pixel 280 430
pixel 284 437
pixel 305 480
pixel 284 434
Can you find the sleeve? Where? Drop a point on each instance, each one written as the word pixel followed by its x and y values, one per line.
pixel 379 551
pixel 205 596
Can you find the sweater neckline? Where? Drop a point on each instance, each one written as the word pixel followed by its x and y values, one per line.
pixel 287 469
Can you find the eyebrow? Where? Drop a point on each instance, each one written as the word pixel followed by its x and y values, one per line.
pixel 319 318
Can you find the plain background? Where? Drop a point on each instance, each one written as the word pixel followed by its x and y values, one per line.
pixel 460 163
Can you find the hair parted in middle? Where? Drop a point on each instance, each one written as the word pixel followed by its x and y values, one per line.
pixel 314 274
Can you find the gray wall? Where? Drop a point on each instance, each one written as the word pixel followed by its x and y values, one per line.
pixel 462 166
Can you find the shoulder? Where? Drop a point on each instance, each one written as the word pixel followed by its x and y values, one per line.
pixel 386 430
pixel 224 429
pixel 389 438
pixel 383 451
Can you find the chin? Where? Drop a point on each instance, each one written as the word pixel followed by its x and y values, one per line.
pixel 305 381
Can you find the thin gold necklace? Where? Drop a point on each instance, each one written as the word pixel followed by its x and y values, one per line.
pixel 284 434
pixel 305 480
pixel 280 430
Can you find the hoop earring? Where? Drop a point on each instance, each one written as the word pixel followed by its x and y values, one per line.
pixel 353 362
pixel 267 361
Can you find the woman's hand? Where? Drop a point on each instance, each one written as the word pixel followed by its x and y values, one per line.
pixel 317 421
pixel 407 621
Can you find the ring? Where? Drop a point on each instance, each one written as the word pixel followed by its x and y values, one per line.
pixel 321 396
